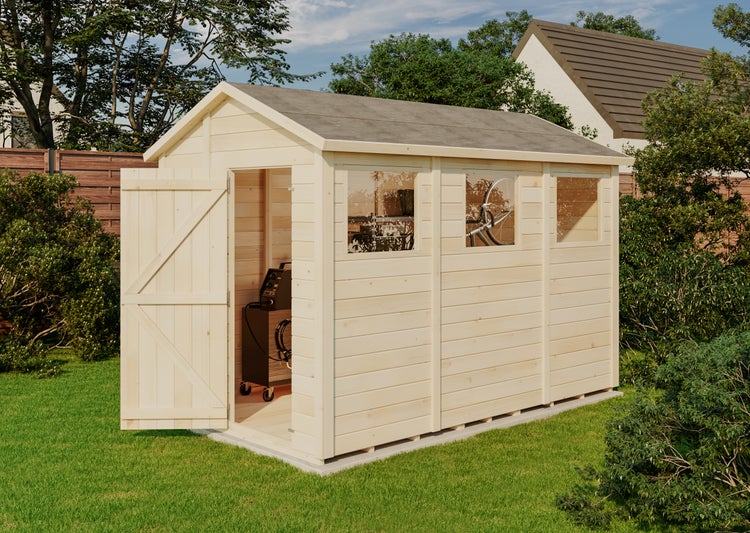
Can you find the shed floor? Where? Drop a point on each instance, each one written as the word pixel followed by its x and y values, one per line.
pixel 262 431
pixel 266 422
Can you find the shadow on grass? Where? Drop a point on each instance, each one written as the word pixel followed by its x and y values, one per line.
pixel 165 433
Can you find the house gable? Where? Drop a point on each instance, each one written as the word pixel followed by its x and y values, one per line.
pixel 614 72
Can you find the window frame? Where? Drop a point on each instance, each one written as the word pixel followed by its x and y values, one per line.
pixel 387 169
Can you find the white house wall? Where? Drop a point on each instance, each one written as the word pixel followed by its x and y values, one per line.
pixel 549 76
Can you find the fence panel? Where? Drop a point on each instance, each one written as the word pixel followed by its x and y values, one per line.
pixel 98 176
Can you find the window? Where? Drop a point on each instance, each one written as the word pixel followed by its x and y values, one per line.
pixel 577 209
pixel 380 211
pixel 20 132
pixel 490 210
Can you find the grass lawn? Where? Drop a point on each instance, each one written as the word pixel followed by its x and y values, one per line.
pixel 65 465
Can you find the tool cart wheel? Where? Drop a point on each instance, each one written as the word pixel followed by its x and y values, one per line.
pixel 268 394
pixel 245 388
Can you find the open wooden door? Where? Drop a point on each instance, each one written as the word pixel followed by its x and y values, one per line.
pixel 174 300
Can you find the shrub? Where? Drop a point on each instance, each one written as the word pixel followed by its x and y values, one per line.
pixel 58 277
pixel 680 454
pixel 672 290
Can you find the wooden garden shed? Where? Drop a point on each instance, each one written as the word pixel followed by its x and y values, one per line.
pixel 448 266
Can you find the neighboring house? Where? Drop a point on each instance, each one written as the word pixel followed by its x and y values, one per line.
pixel 603 77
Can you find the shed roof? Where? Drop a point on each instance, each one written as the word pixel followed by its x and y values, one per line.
pixel 345 123
pixel 615 72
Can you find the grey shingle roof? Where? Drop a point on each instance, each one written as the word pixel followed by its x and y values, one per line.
pixel 615 72
pixel 375 120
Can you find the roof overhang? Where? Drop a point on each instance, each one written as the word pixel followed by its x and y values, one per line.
pixel 332 145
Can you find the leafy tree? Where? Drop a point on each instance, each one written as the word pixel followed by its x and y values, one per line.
pixel 423 69
pixel 498 36
pixel 58 280
pixel 627 25
pixel 124 70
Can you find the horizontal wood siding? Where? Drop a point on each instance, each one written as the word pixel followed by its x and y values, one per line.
pixel 581 305
pixel 24 160
pixel 287 225
pixel 492 316
pixel 382 327
pixel 234 137
pixel 98 176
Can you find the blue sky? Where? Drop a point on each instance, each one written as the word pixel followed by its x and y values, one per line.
pixel 325 30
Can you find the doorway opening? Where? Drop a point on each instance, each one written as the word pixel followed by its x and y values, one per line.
pixel 262 304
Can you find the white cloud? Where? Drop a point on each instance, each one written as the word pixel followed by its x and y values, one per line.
pixel 324 22
pixel 325 30
pixel 356 23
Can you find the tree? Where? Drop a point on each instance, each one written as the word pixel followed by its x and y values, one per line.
pixel 678 455
pixel 423 69
pixel 627 25
pixel 123 70
pixel 733 23
pixel 498 36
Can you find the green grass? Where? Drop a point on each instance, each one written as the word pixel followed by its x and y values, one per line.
pixel 65 465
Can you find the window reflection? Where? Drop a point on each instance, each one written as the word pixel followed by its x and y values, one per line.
pixel 577 209
pixel 380 211
pixel 490 213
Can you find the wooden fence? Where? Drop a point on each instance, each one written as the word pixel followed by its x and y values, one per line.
pixel 98 174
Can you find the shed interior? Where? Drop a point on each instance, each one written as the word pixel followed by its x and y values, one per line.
pixel 262 241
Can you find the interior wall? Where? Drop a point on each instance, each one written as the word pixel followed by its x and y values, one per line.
pixel 249 250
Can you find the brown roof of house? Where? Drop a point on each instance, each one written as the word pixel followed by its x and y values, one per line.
pixel 613 71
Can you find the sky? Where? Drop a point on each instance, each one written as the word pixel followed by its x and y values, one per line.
pixel 325 30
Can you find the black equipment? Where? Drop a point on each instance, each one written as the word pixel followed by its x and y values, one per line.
pixel 267 334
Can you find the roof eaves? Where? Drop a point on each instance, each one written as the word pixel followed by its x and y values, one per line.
pixel 342 145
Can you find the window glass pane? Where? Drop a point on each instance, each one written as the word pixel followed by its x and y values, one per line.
pixel 380 211
pixel 577 209
pixel 21 136
pixel 490 210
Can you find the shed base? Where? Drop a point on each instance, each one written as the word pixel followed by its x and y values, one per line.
pixel 240 438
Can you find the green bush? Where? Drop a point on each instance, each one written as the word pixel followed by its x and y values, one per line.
pixel 58 279
pixel 680 454
pixel 671 289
